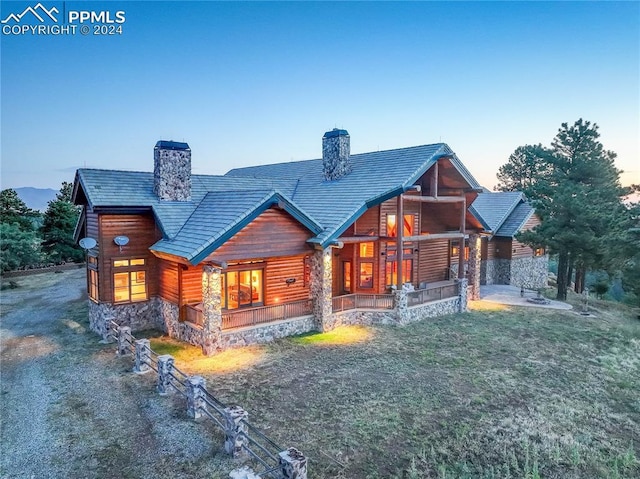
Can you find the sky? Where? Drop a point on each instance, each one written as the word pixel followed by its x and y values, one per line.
pixel 247 83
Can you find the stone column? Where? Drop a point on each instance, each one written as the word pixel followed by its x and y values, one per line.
pixel 124 340
pixel 401 305
pixel 475 250
pixel 235 430
pixel 321 289
pixel 211 309
pixel 195 396
pixel 165 366
pixel 143 356
pixel 463 284
pixel 293 464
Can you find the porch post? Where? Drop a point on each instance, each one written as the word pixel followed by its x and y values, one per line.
pixel 475 250
pixel 211 309
pixel 399 231
pixel 321 289
pixel 463 218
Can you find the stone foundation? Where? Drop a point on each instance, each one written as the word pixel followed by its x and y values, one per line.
pixel 266 333
pixel 496 271
pixel 137 316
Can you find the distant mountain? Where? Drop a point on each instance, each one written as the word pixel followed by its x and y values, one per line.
pixel 36 198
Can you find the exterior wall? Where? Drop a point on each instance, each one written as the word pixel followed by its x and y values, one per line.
pixel 530 272
pixel 496 271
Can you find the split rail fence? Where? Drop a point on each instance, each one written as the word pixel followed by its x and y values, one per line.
pixel 241 437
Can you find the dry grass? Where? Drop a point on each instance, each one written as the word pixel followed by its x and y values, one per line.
pixel 494 393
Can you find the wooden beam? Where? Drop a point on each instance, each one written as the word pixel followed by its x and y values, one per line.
pixel 399 231
pixel 433 188
pixel 434 236
pixel 358 239
pixel 435 199
pixel 463 218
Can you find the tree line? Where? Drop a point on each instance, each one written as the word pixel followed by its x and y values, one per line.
pixel 29 238
pixel 586 223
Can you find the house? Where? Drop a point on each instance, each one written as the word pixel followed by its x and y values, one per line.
pixel 504 259
pixel 274 250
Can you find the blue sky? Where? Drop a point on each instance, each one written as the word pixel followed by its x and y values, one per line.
pixel 247 83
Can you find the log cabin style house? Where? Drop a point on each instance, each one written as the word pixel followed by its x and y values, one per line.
pixel 504 259
pixel 275 250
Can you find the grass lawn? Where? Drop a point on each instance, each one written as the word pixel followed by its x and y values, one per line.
pixel 493 393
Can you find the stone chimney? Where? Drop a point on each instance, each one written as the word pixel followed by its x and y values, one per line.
pixel 172 171
pixel 335 154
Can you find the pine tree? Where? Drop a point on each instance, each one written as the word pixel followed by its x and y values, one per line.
pixel 58 228
pixel 578 196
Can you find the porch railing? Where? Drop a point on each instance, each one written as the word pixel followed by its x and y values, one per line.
pixel 433 293
pixel 265 314
pixel 367 301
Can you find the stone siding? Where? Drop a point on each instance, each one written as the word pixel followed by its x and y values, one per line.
pixel 180 330
pixel 335 155
pixel 531 273
pixel 497 271
pixel 137 316
pixel 266 333
pixel 172 174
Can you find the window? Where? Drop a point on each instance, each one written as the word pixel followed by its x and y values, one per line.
pixel 538 252
pixel 366 250
pixel 392 272
pixel 129 280
pixel 92 277
pixel 407 229
pixel 242 288
pixel 455 250
pixel 346 276
pixel 366 275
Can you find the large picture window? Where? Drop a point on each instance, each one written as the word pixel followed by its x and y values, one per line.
pixel 392 272
pixel 407 228
pixel 129 280
pixel 242 288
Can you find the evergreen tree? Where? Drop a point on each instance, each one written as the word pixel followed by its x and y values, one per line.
pixel 14 210
pixel 527 166
pixel 578 196
pixel 58 228
pixel 19 247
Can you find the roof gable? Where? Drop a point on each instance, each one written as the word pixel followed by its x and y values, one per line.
pixel 222 214
pixel 494 208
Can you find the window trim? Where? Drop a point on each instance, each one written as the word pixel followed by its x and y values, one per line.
pixel 140 266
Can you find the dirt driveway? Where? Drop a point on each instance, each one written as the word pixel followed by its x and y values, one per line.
pixel 70 408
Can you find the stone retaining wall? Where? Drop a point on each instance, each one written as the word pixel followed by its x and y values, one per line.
pixel 530 273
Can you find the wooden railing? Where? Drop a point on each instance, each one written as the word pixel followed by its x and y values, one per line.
pixel 366 301
pixel 193 314
pixel 265 314
pixel 433 293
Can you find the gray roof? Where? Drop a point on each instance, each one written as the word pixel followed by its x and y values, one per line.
pixel 375 177
pixel 502 213
pixel 221 205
